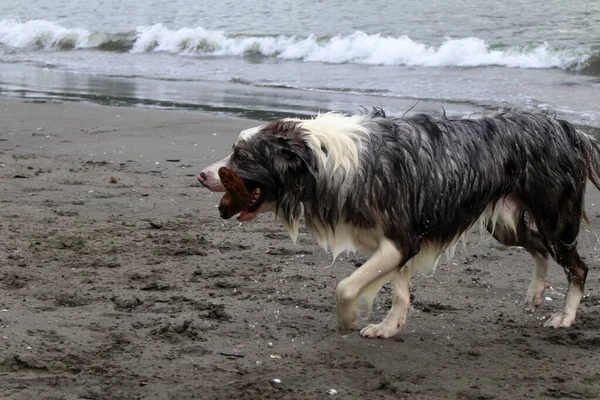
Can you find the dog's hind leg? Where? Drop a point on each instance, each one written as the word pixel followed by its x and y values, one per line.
pixel 576 270
pixel 537 286
pixel 386 259
pixel 558 222
pixel 511 229
pixel 531 241
pixel 576 274
pixel 396 317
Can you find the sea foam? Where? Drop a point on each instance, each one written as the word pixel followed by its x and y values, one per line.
pixel 358 47
pixel 42 34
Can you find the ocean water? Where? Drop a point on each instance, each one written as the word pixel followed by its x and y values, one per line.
pixel 281 57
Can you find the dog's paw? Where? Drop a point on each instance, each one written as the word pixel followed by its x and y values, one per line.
pixel 533 301
pixel 348 323
pixel 535 296
pixel 559 320
pixel 347 317
pixel 346 309
pixel 379 331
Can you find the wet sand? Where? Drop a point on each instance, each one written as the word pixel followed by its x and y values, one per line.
pixel 120 281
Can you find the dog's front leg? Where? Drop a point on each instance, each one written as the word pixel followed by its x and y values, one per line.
pixel 384 260
pixel 396 317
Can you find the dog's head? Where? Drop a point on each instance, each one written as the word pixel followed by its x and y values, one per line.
pixel 276 164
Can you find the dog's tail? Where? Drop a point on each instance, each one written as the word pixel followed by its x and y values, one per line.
pixel 591 150
pixel 593 159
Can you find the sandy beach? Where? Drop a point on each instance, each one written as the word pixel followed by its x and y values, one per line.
pixel 118 280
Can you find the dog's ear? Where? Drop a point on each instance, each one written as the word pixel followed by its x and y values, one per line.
pixel 296 152
pixel 294 165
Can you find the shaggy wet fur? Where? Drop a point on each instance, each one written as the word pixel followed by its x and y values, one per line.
pixel 406 189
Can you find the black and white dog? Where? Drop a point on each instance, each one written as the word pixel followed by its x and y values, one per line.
pixel 405 190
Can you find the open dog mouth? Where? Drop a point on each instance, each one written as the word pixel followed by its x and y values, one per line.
pixel 256 199
pixel 238 200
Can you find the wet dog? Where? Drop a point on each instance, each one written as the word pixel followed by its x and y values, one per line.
pixel 405 190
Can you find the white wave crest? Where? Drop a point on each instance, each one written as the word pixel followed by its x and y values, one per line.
pixel 42 34
pixel 358 48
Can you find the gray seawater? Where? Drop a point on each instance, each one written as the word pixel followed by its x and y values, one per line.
pixel 263 59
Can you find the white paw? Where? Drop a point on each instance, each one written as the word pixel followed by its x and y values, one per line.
pixel 346 308
pixel 559 320
pixel 381 331
pixel 535 296
pixel 347 318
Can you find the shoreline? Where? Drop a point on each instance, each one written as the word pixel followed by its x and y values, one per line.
pixel 236 99
pixel 233 112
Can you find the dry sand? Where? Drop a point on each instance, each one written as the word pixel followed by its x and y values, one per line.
pixel 118 280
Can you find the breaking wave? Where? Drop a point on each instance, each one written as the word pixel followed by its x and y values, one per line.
pixel 358 48
pixel 48 35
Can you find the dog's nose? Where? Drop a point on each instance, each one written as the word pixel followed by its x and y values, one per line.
pixel 202 177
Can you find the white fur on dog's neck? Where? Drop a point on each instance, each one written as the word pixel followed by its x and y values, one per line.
pixel 335 140
pixel 340 135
